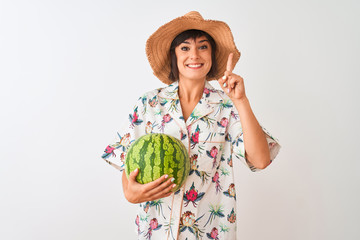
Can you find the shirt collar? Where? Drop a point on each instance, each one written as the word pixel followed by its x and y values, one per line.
pixel 210 98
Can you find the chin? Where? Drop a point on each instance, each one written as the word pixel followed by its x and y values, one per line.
pixel 194 78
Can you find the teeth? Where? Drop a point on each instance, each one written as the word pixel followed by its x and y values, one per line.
pixel 194 65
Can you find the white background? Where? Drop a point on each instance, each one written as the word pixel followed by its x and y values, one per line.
pixel 71 71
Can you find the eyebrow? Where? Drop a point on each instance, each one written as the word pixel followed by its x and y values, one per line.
pixel 201 41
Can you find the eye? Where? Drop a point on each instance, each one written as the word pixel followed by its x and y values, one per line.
pixel 184 48
pixel 203 47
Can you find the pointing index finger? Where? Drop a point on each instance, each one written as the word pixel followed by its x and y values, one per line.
pixel 229 62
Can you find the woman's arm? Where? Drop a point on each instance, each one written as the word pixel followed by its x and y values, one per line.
pixel 256 148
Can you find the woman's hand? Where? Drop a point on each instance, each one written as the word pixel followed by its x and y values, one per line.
pixel 137 193
pixel 232 84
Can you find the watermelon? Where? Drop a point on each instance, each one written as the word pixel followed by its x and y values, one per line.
pixel 157 154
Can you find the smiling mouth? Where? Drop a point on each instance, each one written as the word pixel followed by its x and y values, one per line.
pixel 195 66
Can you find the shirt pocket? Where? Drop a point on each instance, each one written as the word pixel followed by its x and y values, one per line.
pixel 210 150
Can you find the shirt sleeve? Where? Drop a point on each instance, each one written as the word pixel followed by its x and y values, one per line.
pixel 235 136
pixel 115 153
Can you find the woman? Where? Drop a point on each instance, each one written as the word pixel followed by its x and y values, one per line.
pixel 215 126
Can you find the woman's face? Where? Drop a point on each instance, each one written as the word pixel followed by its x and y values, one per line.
pixel 194 58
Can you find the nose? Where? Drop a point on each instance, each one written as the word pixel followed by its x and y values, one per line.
pixel 194 53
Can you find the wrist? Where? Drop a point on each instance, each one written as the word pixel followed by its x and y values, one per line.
pixel 240 101
pixel 242 105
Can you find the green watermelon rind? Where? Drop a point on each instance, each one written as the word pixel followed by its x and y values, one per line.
pixel 142 155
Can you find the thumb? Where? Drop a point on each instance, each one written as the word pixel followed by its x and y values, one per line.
pixel 133 174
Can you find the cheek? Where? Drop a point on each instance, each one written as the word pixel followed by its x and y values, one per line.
pixel 180 62
pixel 179 55
pixel 207 56
pixel 209 60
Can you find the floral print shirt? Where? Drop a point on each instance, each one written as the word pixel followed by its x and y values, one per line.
pixel 205 207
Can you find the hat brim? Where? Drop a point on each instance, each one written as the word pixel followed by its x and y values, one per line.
pixel 158 44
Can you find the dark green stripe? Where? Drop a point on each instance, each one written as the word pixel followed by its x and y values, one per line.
pixel 148 162
pixel 160 143
pixel 140 159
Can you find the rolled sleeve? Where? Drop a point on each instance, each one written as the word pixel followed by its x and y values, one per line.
pixel 237 143
pixel 115 153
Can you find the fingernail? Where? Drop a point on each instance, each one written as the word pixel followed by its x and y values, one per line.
pixel 224 77
pixel 228 90
pixel 166 176
pixel 173 179
pixel 174 185
pixel 135 170
pixel 224 85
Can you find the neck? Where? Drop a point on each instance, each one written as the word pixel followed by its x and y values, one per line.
pixel 190 91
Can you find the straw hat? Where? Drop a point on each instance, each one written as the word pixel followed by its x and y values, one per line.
pixel 158 44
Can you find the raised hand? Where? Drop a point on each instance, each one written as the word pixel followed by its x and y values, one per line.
pixel 137 193
pixel 232 84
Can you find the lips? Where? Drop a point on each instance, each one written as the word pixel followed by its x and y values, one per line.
pixel 194 65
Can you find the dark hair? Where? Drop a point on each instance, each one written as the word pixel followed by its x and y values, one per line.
pixel 193 34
